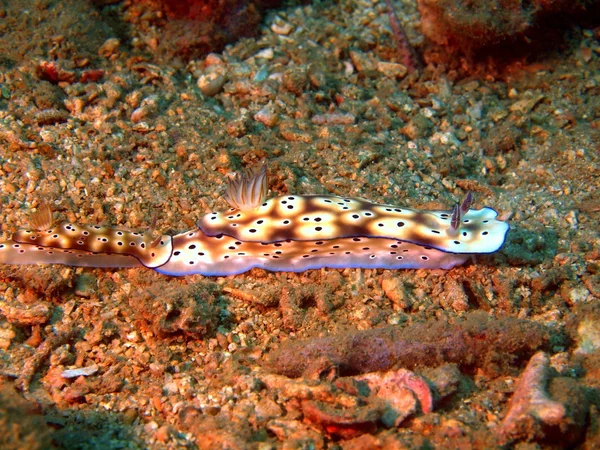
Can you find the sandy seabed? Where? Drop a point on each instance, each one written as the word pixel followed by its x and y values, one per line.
pixel 503 351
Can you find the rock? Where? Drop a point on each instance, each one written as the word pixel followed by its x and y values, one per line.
pixel 466 342
pixel 418 127
pixel 588 336
pixel 212 81
pixel 267 115
pixel 454 296
pixel 266 409
pixel 469 26
pixel 392 70
pixel 109 48
pixel 394 290
pixel 282 27
pixel 402 391
pixel 25 315
pixel 534 415
pixel 361 61
pixel 294 80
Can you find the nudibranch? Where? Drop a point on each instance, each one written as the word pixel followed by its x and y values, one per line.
pixel 287 233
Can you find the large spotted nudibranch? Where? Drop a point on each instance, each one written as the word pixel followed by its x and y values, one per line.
pixel 288 233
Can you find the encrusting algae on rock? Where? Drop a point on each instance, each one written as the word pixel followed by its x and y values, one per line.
pixel 288 233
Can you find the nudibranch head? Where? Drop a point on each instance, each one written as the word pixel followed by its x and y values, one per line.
pixel 326 217
pixel 315 217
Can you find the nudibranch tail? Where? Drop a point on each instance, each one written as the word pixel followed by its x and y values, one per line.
pixel 12 252
pixel 36 247
pixel 100 240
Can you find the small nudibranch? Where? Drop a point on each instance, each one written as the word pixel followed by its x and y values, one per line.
pixel 287 233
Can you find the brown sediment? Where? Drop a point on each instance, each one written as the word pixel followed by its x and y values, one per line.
pixel 21 423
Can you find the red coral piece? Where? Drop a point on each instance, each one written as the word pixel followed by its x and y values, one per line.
pixel 52 72
pixel 92 75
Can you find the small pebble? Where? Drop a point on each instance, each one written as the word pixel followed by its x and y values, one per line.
pixel 588 334
pixel 85 285
pixel 282 27
pixel 392 70
pixel 6 337
pixel 212 82
pixel 109 47
pixel 267 115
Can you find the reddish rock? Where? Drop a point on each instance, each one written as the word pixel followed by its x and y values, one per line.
pixel 477 340
pixel 467 26
pixel 190 29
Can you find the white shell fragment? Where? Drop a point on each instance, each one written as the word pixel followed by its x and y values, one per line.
pixel 282 27
pixel 79 372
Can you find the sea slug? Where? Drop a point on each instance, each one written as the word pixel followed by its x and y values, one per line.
pixel 288 233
